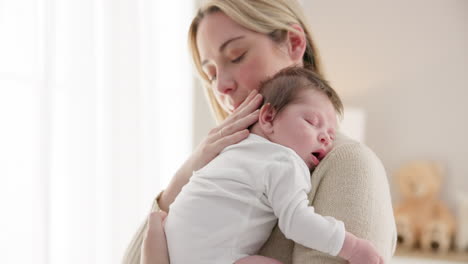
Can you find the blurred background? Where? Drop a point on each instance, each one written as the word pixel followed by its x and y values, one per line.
pixel 99 106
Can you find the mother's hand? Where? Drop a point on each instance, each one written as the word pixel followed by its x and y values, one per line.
pixel 230 131
pixel 154 245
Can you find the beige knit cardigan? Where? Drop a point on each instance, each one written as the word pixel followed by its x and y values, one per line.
pixel 350 184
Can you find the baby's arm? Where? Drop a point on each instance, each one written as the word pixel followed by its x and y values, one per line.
pixel 154 247
pixel 286 189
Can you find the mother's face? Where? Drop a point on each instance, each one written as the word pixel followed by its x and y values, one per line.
pixel 236 59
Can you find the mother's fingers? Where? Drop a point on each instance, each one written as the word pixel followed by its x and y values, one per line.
pixel 233 127
pixel 250 104
pixel 239 124
pixel 231 131
pixel 249 98
pixel 231 139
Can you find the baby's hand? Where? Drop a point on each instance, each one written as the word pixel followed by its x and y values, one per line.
pixel 359 251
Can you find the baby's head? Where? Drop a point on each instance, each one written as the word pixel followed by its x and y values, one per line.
pixel 300 112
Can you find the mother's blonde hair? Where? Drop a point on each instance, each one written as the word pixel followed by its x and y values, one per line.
pixel 271 17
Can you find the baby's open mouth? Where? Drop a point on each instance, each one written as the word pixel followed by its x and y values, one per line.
pixel 319 154
pixel 315 158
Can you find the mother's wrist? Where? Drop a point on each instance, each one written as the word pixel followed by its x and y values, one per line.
pixel 156 206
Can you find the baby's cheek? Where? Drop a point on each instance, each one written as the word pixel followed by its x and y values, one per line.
pixel 298 135
pixel 301 130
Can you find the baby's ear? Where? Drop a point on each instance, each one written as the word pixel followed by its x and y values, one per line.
pixel 266 117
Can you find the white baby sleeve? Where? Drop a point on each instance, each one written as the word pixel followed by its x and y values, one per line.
pixel 287 185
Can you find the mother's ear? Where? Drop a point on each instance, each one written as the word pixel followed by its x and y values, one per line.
pixel 265 119
pixel 296 43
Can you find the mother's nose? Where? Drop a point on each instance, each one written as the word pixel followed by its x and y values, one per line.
pixel 225 84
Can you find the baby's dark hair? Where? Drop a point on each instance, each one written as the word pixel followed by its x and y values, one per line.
pixel 284 87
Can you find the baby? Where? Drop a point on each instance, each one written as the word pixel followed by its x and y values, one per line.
pixel 229 207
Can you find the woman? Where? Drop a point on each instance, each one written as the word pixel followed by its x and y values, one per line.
pixel 235 45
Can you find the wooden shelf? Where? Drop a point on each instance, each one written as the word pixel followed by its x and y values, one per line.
pixel 453 256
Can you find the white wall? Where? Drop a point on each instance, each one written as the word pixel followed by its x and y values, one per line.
pixel 405 63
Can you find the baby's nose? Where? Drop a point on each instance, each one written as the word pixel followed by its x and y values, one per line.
pixel 324 139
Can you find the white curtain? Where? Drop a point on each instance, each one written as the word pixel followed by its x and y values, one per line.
pixel 95 112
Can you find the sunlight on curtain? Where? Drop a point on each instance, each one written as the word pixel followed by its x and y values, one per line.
pixel 23 206
pixel 173 81
pixel 95 110
pixel 121 120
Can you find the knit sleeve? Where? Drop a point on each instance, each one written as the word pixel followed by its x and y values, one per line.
pixel 350 184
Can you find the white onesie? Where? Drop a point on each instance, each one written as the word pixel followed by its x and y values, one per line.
pixel 229 207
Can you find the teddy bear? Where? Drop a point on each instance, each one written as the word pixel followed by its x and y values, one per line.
pixel 422 219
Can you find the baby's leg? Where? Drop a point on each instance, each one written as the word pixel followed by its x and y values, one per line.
pixel 257 260
pixel 154 248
